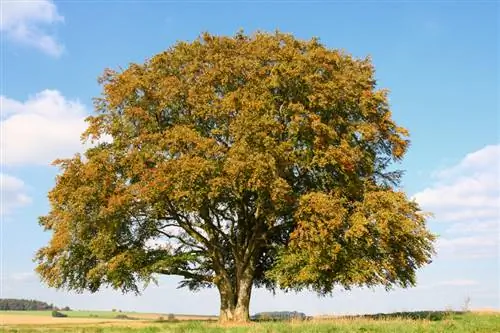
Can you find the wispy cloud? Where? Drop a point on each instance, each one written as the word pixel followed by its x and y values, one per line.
pixel 470 247
pixel 13 194
pixel 29 23
pixel 467 196
pixel 489 227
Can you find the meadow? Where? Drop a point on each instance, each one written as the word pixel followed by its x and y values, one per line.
pixel 106 322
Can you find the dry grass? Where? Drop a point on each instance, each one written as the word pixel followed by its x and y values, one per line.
pixel 486 310
pixel 137 319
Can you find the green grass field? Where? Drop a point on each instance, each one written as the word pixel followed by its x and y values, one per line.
pixel 423 322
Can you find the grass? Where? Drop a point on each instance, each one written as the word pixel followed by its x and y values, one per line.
pixel 416 322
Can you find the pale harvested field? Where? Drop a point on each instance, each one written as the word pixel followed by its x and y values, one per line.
pixel 486 310
pixel 6 319
pixel 153 316
pixel 142 319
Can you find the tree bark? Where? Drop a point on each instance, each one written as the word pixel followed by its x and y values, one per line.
pixel 242 309
pixel 227 303
pixel 235 301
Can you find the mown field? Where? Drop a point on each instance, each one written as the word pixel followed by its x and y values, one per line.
pixel 16 316
pixel 417 322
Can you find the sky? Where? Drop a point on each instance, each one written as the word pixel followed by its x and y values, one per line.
pixel 439 59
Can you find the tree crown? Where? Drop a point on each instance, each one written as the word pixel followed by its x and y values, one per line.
pixel 259 156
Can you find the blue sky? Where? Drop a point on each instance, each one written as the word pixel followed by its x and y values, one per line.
pixel 439 60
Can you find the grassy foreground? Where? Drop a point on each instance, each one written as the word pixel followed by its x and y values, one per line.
pixel 402 323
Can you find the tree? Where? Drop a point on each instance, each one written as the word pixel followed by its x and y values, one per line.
pixel 25 304
pixel 236 162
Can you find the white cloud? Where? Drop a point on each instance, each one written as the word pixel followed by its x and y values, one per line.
pixel 490 227
pixel 486 158
pixel 469 247
pixel 37 131
pixel 13 194
pixel 468 196
pixel 28 23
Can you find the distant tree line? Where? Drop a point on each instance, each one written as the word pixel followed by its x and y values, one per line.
pixel 279 315
pixel 27 305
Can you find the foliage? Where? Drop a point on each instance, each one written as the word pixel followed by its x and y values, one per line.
pixel 232 162
pixel 279 315
pixel 170 318
pixel 124 316
pixel 57 314
pixel 26 305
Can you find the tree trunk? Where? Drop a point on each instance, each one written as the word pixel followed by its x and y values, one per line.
pixel 242 309
pixel 235 304
pixel 227 304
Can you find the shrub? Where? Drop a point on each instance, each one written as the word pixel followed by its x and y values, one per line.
pixel 122 316
pixel 57 314
pixel 279 316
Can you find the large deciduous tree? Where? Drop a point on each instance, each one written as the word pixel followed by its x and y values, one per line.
pixel 236 162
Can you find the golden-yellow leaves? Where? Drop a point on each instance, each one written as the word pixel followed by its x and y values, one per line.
pixel 264 143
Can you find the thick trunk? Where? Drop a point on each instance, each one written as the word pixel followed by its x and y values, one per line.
pixel 235 304
pixel 227 303
pixel 226 315
pixel 242 309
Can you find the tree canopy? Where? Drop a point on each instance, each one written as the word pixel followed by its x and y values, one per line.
pixel 234 162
